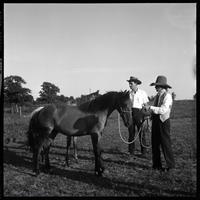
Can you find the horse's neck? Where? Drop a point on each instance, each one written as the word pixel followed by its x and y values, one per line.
pixel 112 106
pixel 109 112
pixel 104 103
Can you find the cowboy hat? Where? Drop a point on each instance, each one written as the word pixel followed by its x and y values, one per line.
pixel 135 80
pixel 161 81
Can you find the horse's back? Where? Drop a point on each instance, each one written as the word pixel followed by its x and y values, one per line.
pixel 70 120
pixel 52 116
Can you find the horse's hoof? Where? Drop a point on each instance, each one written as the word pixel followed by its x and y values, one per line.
pixel 99 174
pixel 66 164
pixel 106 171
pixel 46 170
pixel 102 170
pixel 50 171
pixel 36 171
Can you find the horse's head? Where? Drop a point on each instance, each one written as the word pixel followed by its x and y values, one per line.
pixel 124 107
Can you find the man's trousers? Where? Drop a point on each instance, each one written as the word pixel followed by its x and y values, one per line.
pixel 161 139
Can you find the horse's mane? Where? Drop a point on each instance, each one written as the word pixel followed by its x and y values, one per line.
pixel 91 94
pixel 100 103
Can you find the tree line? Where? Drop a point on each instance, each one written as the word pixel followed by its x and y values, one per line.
pixel 16 94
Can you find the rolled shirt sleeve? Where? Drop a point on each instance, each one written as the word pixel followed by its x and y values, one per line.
pixel 165 107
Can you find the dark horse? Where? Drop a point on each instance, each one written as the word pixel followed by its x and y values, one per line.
pixel 82 99
pixel 86 119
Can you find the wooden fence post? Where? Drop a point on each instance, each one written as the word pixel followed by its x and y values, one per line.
pixel 17 108
pixel 20 111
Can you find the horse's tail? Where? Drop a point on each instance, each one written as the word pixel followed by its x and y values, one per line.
pixel 31 133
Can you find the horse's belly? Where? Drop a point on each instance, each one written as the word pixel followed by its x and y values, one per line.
pixel 75 122
pixel 73 127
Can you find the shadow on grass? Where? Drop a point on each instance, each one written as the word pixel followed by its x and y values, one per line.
pixel 123 161
pixel 132 164
pixel 11 157
pixel 110 184
pixel 109 151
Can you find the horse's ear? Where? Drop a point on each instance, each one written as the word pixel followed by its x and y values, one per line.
pixel 126 92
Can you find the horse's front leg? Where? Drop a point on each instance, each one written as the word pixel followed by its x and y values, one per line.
pixel 99 168
pixel 36 159
pixel 47 163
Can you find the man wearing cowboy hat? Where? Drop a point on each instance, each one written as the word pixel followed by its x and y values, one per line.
pixel 161 125
pixel 139 98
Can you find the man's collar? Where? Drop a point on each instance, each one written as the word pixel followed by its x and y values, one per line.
pixel 135 91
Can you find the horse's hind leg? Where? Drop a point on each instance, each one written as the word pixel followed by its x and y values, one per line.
pixel 36 159
pixel 42 155
pixel 67 152
pixel 52 136
pixel 47 163
pixel 75 148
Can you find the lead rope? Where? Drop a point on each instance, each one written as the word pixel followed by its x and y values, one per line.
pixel 138 132
pixel 142 136
pixel 121 134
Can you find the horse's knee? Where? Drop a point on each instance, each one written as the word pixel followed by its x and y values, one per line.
pixel 76 157
pixel 66 163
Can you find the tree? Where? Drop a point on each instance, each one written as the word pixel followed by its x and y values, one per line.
pixel 62 99
pixel 14 92
pixel 48 93
pixel 71 100
pixel 28 99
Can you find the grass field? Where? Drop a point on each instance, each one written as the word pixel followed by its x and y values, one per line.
pixel 125 175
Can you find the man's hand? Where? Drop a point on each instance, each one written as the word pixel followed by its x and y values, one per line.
pixel 146 107
pixel 146 110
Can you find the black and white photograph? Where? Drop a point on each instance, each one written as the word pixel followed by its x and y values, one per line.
pixel 99 100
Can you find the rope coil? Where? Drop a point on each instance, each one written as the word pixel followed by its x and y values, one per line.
pixel 138 132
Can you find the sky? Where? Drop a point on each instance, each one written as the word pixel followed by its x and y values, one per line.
pixel 82 48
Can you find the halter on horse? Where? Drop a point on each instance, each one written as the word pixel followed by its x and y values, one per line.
pixel 87 119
